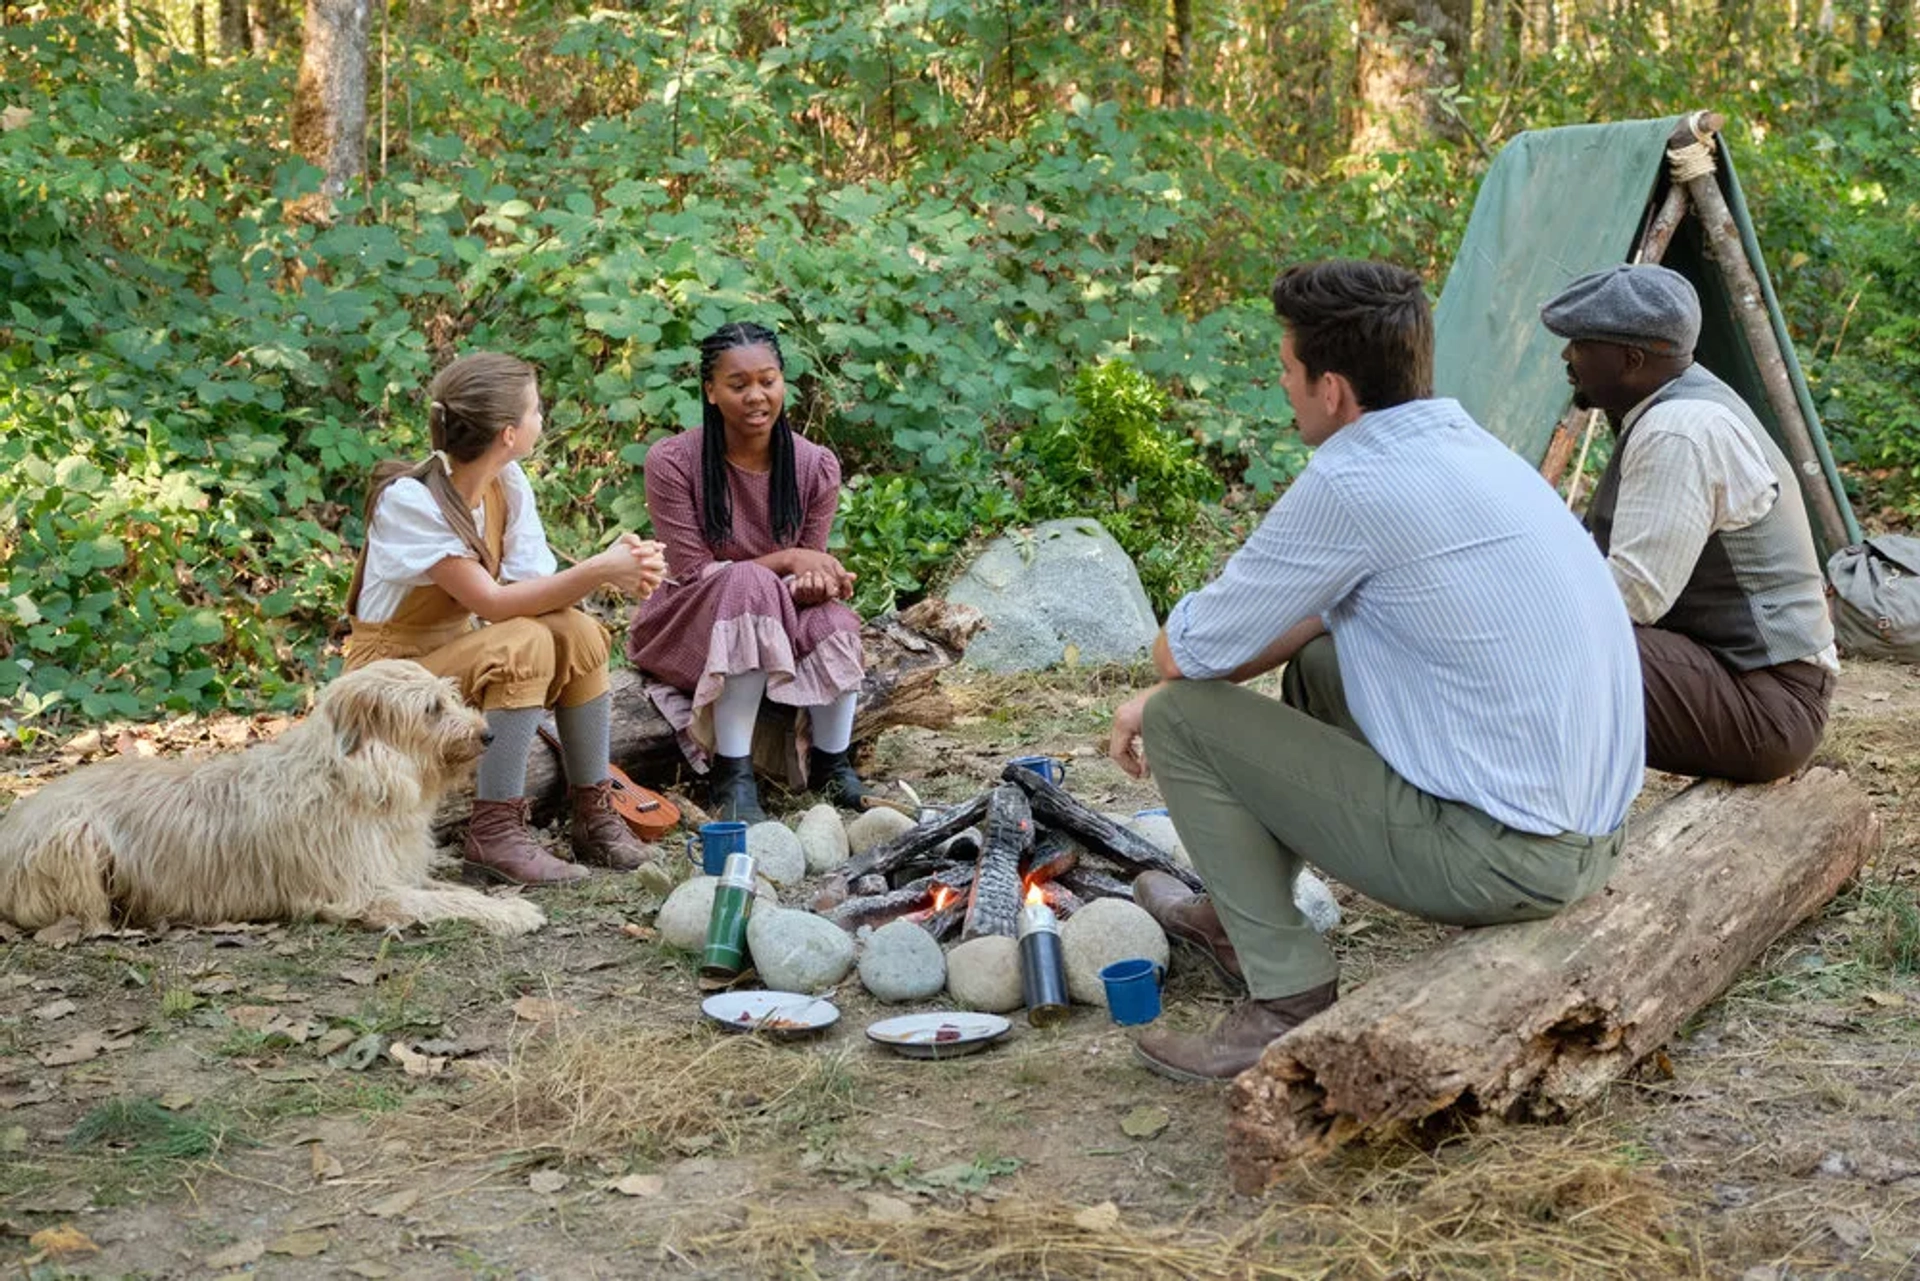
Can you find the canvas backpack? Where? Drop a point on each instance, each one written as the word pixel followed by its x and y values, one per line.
pixel 1876 598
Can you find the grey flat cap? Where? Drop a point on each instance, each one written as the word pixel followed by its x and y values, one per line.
pixel 1645 306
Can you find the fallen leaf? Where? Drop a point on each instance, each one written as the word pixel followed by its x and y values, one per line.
pixel 63 1242
pixel 416 1063
pixel 1885 1000
pixel 882 1208
pixel 1104 1217
pixel 397 1204
pixel 13 1139
pixel 254 1018
pixel 359 975
pixel 639 1185
pixel 89 741
pixel 644 933
pixel 324 1164
pixel 55 1010
pixel 1849 1231
pixel 359 1056
pixel 694 1144
pixel 176 1100
pixel 1145 1122
pixel 538 1009
pixel 37 1093
pixel 546 1182
pixel 332 1041
pixel 88 1045
pixel 302 1072
pixel 237 1255
pixel 369 1269
pixel 300 1245
pixel 60 934
pixel 218 985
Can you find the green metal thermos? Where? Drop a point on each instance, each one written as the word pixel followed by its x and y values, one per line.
pixel 726 951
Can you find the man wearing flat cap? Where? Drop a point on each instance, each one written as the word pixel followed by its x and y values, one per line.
pixel 1706 532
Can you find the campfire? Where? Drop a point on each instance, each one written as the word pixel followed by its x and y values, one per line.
pixel 966 871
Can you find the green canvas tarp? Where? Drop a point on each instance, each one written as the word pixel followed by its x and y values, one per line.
pixel 1555 204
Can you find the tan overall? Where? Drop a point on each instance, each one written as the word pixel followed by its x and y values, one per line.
pixel 554 660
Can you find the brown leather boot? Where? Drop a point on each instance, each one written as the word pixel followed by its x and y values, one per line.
pixel 600 837
pixel 500 845
pixel 1190 921
pixel 1236 1042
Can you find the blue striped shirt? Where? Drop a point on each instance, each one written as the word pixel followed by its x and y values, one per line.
pixel 1485 650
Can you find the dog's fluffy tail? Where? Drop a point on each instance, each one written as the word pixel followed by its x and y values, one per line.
pixel 48 876
pixel 395 907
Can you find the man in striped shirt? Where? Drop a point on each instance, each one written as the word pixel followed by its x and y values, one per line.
pixel 1459 731
pixel 1703 525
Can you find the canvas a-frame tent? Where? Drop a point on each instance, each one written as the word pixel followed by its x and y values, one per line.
pixel 1558 203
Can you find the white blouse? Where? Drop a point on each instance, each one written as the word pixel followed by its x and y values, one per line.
pixel 410 536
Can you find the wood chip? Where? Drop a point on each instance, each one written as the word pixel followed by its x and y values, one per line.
pixel 414 1062
pixel 397 1204
pixel 237 1255
pixel 324 1164
pixel 641 1185
pixel 1104 1217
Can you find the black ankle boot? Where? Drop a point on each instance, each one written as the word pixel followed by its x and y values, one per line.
pixel 731 793
pixel 831 775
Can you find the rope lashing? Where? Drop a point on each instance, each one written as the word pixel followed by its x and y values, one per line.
pixel 1694 159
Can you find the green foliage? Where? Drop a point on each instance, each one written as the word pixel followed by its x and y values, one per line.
pixel 141 1131
pixel 1116 460
pixel 979 239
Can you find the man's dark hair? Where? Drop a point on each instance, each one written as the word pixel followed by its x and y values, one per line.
pixel 1367 321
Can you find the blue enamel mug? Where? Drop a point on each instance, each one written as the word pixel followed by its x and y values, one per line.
pixel 1133 991
pixel 1051 768
pixel 717 840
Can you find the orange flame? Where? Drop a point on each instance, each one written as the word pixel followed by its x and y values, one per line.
pixel 942 895
pixel 1034 894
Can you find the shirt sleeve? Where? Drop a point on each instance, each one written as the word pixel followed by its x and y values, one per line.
pixel 676 523
pixel 409 536
pixel 1685 476
pixel 823 501
pixel 1301 561
pixel 524 553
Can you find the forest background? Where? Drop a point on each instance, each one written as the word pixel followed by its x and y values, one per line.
pixel 1018 251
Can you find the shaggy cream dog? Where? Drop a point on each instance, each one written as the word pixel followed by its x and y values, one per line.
pixel 332 819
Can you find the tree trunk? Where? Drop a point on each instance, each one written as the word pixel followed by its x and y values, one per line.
pixel 905 655
pixel 266 24
pixel 330 97
pixel 233 26
pixel 1896 20
pixel 1534 1020
pixel 1398 72
pixel 1176 55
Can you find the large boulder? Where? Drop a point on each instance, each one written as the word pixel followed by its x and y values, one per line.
pixel 876 827
pixel 683 918
pixel 902 962
pixel 824 838
pixel 1104 931
pixel 777 853
pixel 1068 584
pixel 984 974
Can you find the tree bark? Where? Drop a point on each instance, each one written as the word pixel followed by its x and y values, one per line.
pixel 1398 72
pixel 1896 20
pixel 330 97
pixel 233 26
pixel 1534 1020
pixel 1176 55
pixel 905 655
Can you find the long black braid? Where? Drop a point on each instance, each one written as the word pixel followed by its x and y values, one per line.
pixel 784 488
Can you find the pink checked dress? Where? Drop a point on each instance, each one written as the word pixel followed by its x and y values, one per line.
pixel 728 614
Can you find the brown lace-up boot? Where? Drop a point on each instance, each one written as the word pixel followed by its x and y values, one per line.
pixel 1191 923
pixel 1236 1042
pixel 500 844
pixel 602 838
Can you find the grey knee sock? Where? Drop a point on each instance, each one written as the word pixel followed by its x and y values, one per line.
pixel 503 770
pixel 585 739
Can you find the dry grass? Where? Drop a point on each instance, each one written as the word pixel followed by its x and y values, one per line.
pixel 644 1091
pixel 1533 1202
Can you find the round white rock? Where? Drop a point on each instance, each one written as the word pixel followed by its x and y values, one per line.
pixel 824 838
pixel 902 962
pixel 984 974
pixel 875 827
pixel 798 951
pixel 777 853
pixel 1104 931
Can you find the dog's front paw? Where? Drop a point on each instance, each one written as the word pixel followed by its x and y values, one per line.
pixel 515 916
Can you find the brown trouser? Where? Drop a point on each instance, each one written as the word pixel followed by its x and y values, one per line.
pixel 1706 720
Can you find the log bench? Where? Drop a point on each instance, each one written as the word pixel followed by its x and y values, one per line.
pixel 1533 1020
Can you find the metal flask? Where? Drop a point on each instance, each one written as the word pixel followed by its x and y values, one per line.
pixel 726 950
pixel 1043 966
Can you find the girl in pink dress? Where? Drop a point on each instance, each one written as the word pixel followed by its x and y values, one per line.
pixel 754 605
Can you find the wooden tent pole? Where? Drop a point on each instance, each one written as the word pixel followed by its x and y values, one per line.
pixel 1694 166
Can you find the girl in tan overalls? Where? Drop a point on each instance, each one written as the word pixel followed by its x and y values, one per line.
pixel 457 537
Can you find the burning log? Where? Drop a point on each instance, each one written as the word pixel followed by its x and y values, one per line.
pixel 915 841
pixel 1092 883
pixel 994 905
pixel 1053 855
pixel 876 909
pixel 1053 807
pixel 1534 1020
pixel 872 883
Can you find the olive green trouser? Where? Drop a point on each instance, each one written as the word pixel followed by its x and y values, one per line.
pixel 1257 787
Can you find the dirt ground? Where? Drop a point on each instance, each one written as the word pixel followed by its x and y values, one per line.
pixel 225 1102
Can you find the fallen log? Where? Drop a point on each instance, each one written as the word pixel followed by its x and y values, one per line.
pixel 905 653
pixel 1054 807
pixel 878 909
pixel 1534 1020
